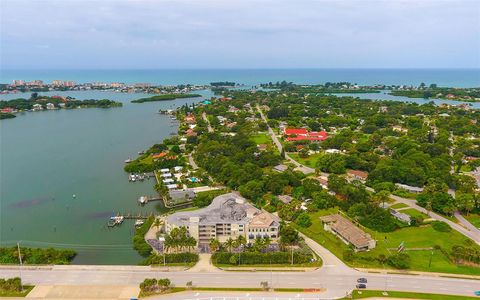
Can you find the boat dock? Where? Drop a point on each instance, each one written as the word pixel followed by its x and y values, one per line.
pixel 119 218
pixel 145 199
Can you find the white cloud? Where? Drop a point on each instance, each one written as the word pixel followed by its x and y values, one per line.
pixel 143 33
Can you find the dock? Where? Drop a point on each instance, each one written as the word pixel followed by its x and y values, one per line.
pixel 119 218
pixel 145 199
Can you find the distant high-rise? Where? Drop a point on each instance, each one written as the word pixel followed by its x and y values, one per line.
pixel 18 82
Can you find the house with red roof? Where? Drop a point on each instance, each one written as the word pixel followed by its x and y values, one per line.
pixel 302 134
pixel 7 110
pixel 190 119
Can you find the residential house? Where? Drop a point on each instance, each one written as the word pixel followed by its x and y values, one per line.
pixel 358 175
pixel 285 198
pixel 348 232
pixel 409 188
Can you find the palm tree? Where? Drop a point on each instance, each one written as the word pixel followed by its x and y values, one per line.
pixel 229 244
pixel 157 223
pixel 214 245
pixel 266 241
pixel 241 241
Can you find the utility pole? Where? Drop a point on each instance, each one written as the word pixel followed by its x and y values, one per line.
pixel 291 247
pixel 21 263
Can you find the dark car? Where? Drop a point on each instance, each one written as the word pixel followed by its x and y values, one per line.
pixel 361 286
pixel 362 280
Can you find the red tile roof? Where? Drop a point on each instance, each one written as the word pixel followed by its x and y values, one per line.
pixel 296 131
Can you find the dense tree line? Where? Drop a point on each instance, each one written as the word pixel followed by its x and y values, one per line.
pixel 36 256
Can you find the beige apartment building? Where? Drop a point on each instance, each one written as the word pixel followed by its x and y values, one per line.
pixel 228 216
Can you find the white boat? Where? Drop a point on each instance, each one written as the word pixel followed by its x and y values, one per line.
pixel 117 219
pixel 143 199
pixel 139 222
pixel 128 160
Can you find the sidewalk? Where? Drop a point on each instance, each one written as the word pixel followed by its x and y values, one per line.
pixel 413 273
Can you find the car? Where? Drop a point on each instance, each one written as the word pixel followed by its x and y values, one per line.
pixel 361 286
pixel 477 293
pixel 362 280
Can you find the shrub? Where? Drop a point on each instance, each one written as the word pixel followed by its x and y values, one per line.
pixel 185 257
pixel 399 261
pixel 139 243
pixel 303 220
pixel 36 256
pixel 441 226
pixel 11 284
pixel 257 258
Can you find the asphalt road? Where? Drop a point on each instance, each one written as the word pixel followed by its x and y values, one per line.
pixel 337 282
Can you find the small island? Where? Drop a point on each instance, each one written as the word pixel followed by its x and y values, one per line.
pixel 8 108
pixel 433 91
pixel 165 97
pixel 6 116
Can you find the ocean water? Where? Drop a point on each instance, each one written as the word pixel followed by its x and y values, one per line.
pixel 442 77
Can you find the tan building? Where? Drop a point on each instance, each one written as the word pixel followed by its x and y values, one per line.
pixel 228 216
pixel 348 232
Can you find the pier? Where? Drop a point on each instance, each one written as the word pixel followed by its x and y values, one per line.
pixel 145 199
pixel 119 218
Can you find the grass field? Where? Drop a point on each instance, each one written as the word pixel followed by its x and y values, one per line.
pixel 398 205
pixel 406 295
pixel 474 219
pixel 412 237
pixel 414 213
pixel 261 138
pixel 310 161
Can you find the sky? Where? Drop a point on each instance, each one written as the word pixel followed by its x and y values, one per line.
pixel 147 34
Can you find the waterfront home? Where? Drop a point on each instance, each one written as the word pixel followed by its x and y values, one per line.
pixel 159 155
pixel 190 119
pixel 228 216
pixel 178 195
pixel 358 175
pixel 172 186
pixel 7 110
pixel 62 105
pixel 190 132
pixel 348 232
pixel 37 107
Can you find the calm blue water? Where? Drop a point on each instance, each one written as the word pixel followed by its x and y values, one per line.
pixel 442 77
pixel 47 156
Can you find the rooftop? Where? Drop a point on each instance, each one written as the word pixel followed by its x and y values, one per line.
pixel 227 208
pixel 347 230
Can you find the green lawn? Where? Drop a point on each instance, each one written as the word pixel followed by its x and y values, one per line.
pixel 474 219
pixel 398 205
pixel 405 295
pixel 310 161
pixel 261 138
pixel 414 213
pixel 26 290
pixel 412 237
